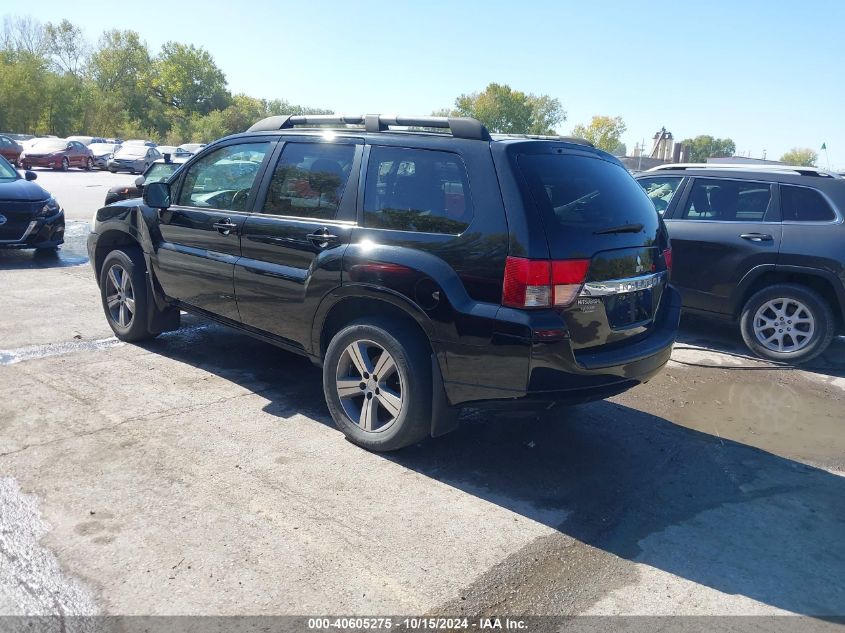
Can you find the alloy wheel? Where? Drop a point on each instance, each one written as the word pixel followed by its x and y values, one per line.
pixel 784 325
pixel 120 296
pixel 370 386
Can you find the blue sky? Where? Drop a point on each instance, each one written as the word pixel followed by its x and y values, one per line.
pixel 768 74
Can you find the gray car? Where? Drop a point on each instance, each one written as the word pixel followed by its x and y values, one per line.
pixel 134 158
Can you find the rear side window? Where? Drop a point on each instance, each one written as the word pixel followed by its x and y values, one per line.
pixel 800 204
pixel 660 190
pixel 728 200
pixel 309 180
pixel 417 190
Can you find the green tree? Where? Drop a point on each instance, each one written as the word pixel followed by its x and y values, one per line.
pixel 187 79
pixel 704 146
pixel 23 90
pixel 605 132
pixel 803 156
pixel 67 47
pixel 120 68
pixel 505 110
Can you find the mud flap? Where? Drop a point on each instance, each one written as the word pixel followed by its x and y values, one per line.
pixel 444 417
pixel 160 319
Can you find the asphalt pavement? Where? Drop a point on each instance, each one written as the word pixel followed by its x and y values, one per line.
pixel 200 473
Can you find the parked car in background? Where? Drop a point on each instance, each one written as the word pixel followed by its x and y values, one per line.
pixel 191 148
pixel 159 171
pixel 87 140
pixel 175 152
pixel 102 152
pixel 57 153
pixel 138 141
pixel 763 246
pixel 423 272
pixel 29 216
pixel 10 149
pixel 19 138
pixel 34 139
pixel 134 158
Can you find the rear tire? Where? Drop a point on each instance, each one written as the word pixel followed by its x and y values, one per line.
pixel 379 413
pixel 89 164
pixel 123 293
pixel 787 323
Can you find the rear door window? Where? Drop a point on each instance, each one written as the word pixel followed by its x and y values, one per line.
pixel 727 200
pixel 417 190
pixel 801 204
pixel 660 190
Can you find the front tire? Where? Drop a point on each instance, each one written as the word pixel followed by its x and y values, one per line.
pixel 377 383
pixel 123 294
pixel 65 164
pixel 787 323
pixel 89 164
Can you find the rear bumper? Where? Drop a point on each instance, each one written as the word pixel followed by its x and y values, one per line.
pixel 522 370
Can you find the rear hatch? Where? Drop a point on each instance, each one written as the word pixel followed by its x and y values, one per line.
pixel 595 213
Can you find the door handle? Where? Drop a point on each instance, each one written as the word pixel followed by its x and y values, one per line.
pixel 322 238
pixel 225 226
pixel 756 237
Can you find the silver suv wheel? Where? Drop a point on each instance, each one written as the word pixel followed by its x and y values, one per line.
pixel 369 386
pixel 784 325
pixel 120 295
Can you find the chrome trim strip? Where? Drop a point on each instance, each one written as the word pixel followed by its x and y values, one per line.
pixel 621 286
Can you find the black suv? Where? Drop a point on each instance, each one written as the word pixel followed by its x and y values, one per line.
pixel 424 271
pixel 761 245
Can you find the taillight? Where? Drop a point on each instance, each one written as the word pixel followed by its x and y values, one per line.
pixel 667 257
pixel 541 283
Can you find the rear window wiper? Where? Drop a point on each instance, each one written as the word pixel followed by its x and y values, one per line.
pixel 622 228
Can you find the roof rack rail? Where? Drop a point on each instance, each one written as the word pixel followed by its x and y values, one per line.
pixel 799 169
pixel 459 127
pixel 546 137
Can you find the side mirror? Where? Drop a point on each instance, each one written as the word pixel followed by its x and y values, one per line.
pixel 157 195
pixel 69 146
pixel 30 175
pixel 139 181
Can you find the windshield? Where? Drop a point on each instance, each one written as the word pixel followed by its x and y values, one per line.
pixel 50 145
pixel 131 151
pixel 7 172
pixel 160 171
pixel 101 148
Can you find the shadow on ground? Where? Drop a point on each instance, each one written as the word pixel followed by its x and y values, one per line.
pixel 716 512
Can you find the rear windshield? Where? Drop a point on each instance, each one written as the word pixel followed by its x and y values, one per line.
pixel 579 195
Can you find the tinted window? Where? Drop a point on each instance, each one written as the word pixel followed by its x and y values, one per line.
pixel 801 204
pixel 728 200
pixel 309 180
pixel 579 195
pixel 417 190
pixel 219 181
pixel 660 190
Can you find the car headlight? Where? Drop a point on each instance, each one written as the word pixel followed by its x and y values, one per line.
pixel 51 207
